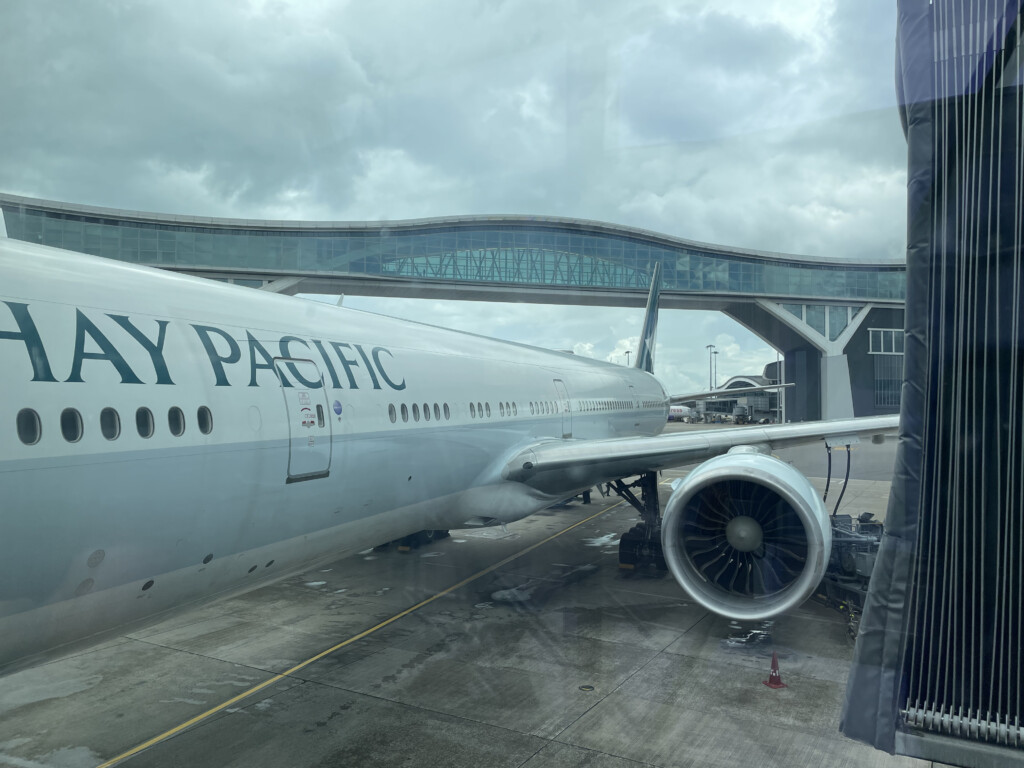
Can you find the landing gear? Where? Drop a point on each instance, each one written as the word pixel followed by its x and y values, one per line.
pixel 640 546
pixel 419 539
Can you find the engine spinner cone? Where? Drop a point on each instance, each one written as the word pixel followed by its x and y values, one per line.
pixel 744 533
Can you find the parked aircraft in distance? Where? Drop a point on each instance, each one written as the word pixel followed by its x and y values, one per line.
pixel 168 439
pixel 681 413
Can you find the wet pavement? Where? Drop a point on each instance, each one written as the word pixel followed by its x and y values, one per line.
pixel 556 658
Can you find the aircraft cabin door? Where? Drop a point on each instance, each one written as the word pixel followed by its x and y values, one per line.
pixel 563 407
pixel 309 426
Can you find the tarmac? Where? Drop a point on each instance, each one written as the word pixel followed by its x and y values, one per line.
pixel 523 646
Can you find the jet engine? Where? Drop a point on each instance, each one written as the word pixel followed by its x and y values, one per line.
pixel 746 535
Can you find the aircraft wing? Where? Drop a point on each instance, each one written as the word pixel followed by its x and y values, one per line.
pixel 562 466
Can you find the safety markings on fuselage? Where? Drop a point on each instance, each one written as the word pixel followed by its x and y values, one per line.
pixel 355 638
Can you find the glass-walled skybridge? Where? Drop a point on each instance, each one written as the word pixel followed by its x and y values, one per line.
pixel 533 258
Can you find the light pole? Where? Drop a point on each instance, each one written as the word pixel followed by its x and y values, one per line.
pixel 715 353
pixel 709 347
pixel 779 393
pixel 627 358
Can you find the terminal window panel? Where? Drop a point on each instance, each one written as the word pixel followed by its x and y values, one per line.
pixel 888 379
pixel 886 341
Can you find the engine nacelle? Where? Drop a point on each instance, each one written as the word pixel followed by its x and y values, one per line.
pixel 746 536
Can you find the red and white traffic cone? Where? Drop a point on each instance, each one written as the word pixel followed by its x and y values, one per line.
pixel 774 678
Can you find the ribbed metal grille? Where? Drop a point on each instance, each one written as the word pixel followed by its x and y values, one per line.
pixel 962 661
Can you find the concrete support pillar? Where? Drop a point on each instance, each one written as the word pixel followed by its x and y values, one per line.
pixel 817 363
pixel 803 368
pixel 836 392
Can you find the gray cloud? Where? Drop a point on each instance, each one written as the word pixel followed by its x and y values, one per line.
pixel 767 125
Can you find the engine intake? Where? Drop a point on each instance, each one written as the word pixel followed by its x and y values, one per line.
pixel 746 536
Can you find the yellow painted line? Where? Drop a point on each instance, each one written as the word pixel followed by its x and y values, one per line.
pixel 255 689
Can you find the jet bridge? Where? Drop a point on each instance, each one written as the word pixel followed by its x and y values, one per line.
pixel 938 673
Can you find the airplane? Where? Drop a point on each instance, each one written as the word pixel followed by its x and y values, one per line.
pixel 712 394
pixel 166 440
pixel 681 412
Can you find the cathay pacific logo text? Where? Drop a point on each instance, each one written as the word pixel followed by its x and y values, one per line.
pixel 138 351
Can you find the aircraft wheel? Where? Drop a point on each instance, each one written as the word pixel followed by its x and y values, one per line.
pixel 630 545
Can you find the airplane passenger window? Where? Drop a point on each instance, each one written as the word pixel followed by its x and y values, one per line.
pixel 508 409
pixel 426 412
pixel 205 419
pixel 515 411
pixel 480 410
pixel 320 415
pixel 392 414
pixel 405 412
pixel 472 411
pixel 144 422
pixel 501 408
pixel 437 413
pixel 488 407
pixel 30 429
pixel 71 425
pixel 176 421
pixel 415 412
pixel 110 423
pixel 447 413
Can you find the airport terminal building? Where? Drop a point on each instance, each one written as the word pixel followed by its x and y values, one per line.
pixel 837 323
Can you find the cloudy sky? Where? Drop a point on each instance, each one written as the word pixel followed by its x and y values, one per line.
pixel 767 125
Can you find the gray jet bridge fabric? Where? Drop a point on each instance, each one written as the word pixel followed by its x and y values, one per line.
pixel 937 667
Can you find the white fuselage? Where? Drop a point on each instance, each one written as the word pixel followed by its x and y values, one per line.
pixel 278 437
